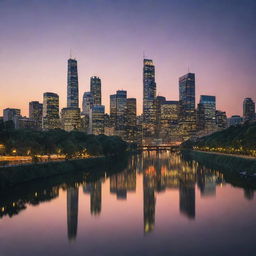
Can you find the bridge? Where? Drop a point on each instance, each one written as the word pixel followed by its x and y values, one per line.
pixel 172 147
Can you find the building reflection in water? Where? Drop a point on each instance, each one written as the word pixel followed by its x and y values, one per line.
pixel 72 212
pixel 149 200
pixel 160 172
pixel 94 189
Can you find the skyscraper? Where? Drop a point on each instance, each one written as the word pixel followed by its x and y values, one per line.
pixel 113 109
pixel 187 102
pixel 121 109
pixel 36 113
pixel 169 116
pixel 87 103
pixel 131 112
pixel 149 95
pixel 70 119
pixel 248 110
pixel 10 113
pixel 72 212
pixel 72 88
pixel 96 120
pixel 221 119
pixel 50 111
pixel 208 108
pixel 95 88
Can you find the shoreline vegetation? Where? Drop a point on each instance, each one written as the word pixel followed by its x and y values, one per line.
pixel 78 151
pixel 235 140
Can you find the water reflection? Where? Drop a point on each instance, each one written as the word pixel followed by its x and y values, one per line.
pixel 159 172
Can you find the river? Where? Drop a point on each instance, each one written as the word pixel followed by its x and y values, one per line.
pixel 149 204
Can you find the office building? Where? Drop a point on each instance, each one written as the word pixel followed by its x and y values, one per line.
pixel 149 96
pixel 87 103
pixel 51 118
pixel 221 119
pixel 96 120
pixel 187 104
pixel 36 113
pixel 235 120
pixel 131 112
pixel 72 88
pixel 10 113
pixel 95 89
pixel 70 119
pixel 248 110
pixel 169 117
pixel 208 111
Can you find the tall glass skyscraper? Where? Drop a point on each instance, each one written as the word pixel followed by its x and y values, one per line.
pixel 95 88
pixel 51 111
pixel 248 109
pixel 72 92
pixel 149 90
pixel 208 107
pixel 187 102
pixel 87 103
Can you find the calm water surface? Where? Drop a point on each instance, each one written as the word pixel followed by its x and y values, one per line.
pixel 156 204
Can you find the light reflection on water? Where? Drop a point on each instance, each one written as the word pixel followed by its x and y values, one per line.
pixel 159 203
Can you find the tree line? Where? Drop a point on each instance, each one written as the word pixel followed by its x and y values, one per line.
pixel 71 144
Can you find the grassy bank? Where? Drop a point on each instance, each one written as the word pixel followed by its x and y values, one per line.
pixel 12 176
pixel 230 163
pixel 230 166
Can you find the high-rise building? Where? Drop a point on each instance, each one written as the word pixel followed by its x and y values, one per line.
pixel 121 109
pixel 159 101
pixel 149 95
pixel 131 112
pixel 36 113
pixel 248 110
pixel 235 120
pixel 96 120
pixel 187 103
pixel 95 88
pixel 169 117
pixel 221 119
pixel 208 109
pixel 70 119
pixel 10 113
pixel 87 103
pixel 72 88
pixel 72 212
pixel 50 111
pixel 113 109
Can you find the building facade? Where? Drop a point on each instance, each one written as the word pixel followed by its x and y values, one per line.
pixel 95 89
pixel 187 105
pixel 70 119
pixel 72 88
pixel 87 103
pixel 10 113
pixel 149 97
pixel 36 113
pixel 248 110
pixel 96 120
pixel 51 118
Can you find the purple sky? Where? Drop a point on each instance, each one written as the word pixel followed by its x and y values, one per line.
pixel 216 39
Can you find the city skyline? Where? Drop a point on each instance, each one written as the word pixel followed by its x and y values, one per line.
pixel 219 51
pixel 25 111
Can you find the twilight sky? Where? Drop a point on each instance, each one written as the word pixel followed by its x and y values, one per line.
pixel 216 39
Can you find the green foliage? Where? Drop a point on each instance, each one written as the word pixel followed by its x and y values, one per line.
pixel 72 144
pixel 243 136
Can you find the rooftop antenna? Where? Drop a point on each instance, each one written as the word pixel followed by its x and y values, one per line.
pixel 70 53
pixel 188 69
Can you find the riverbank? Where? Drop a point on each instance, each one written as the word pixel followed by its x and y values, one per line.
pixel 14 175
pixel 226 154
pixel 231 163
